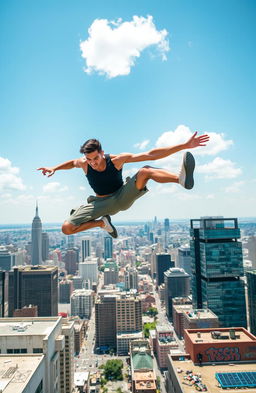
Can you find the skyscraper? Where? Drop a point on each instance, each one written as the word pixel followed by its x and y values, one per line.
pixel 36 285
pixel 251 283
pixel 105 321
pixel 2 293
pixel 88 270
pixel 86 248
pixel 184 259
pixel 217 267
pixel 108 247
pixel 166 224
pixel 45 246
pixel 176 285
pixel 163 263
pixel 7 259
pixel 36 236
pixel 131 279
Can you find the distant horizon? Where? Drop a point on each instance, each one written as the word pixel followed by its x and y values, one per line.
pixel 129 222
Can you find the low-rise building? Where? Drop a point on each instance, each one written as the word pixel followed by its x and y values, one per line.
pixel 123 340
pixel 215 360
pixel 165 342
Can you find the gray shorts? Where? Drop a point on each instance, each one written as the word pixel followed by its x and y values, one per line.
pixel 97 207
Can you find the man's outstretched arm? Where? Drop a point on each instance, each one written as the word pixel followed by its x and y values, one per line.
pixel 162 152
pixel 49 171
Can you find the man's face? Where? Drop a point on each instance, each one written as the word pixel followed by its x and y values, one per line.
pixel 95 159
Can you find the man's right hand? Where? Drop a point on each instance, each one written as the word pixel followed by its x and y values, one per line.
pixel 47 171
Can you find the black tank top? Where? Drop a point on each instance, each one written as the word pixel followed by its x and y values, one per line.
pixel 107 181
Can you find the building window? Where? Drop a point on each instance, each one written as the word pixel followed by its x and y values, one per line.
pixel 37 350
pixel 9 350
pixel 40 387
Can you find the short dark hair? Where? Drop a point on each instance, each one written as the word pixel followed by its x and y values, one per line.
pixel 90 146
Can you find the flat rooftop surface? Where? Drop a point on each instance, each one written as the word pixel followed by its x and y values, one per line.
pixel 207 337
pixel 208 375
pixel 15 372
pixel 205 314
pixel 14 327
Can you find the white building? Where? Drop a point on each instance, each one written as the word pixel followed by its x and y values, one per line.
pixel 50 337
pixel 22 374
pixel 88 269
pixel 82 302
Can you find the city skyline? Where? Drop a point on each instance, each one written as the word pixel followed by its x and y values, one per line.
pixel 168 70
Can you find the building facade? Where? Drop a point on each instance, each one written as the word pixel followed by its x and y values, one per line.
pixel 36 240
pixel 37 285
pixel 177 284
pixel 217 268
pixel 251 284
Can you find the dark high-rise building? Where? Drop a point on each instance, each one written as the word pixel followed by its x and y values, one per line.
pixel 86 248
pixel 65 290
pixel 45 246
pixel 2 293
pixel 163 263
pixel 251 284
pixel 37 285
pixel 36 240
pixel 105 322
pixel 108 247
pixel 217 267
pixel 177 284
pixel 7 259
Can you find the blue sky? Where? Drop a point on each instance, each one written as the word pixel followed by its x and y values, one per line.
pixel 138 94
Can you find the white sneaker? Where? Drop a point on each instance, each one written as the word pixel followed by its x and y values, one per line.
pixel 109 227
pixel 186 179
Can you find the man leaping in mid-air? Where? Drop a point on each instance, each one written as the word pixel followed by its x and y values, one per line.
pixel 104 173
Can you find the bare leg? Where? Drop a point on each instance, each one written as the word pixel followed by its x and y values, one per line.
pixel 70 229
pixel 159 175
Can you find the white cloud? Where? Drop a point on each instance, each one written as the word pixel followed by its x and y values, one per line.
pixel 219 169
pixel 9 179
pixel 54 187
pixel 216 144
pixel 235 187
pixel 181 134
pixel 142 145
pixel 113 46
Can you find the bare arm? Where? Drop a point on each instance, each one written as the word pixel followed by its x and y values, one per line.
pixel 77 163
pixel 161 152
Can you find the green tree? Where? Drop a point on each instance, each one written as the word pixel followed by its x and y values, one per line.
pixel 152 311
pixel 147 327
pixel 113 370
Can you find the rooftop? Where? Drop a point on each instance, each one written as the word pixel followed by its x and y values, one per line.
pixel 27 326
pixel 16 371
pixel 206 336
pixel 130 335
pixel 36 268
pixel 200 314
pixel 144 380
pixel 142 361
pixel 207 374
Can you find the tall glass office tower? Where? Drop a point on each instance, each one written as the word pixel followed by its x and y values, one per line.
pixel 217 268
pixel 251 283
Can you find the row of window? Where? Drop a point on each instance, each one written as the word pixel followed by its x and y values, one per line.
pixel 23 350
